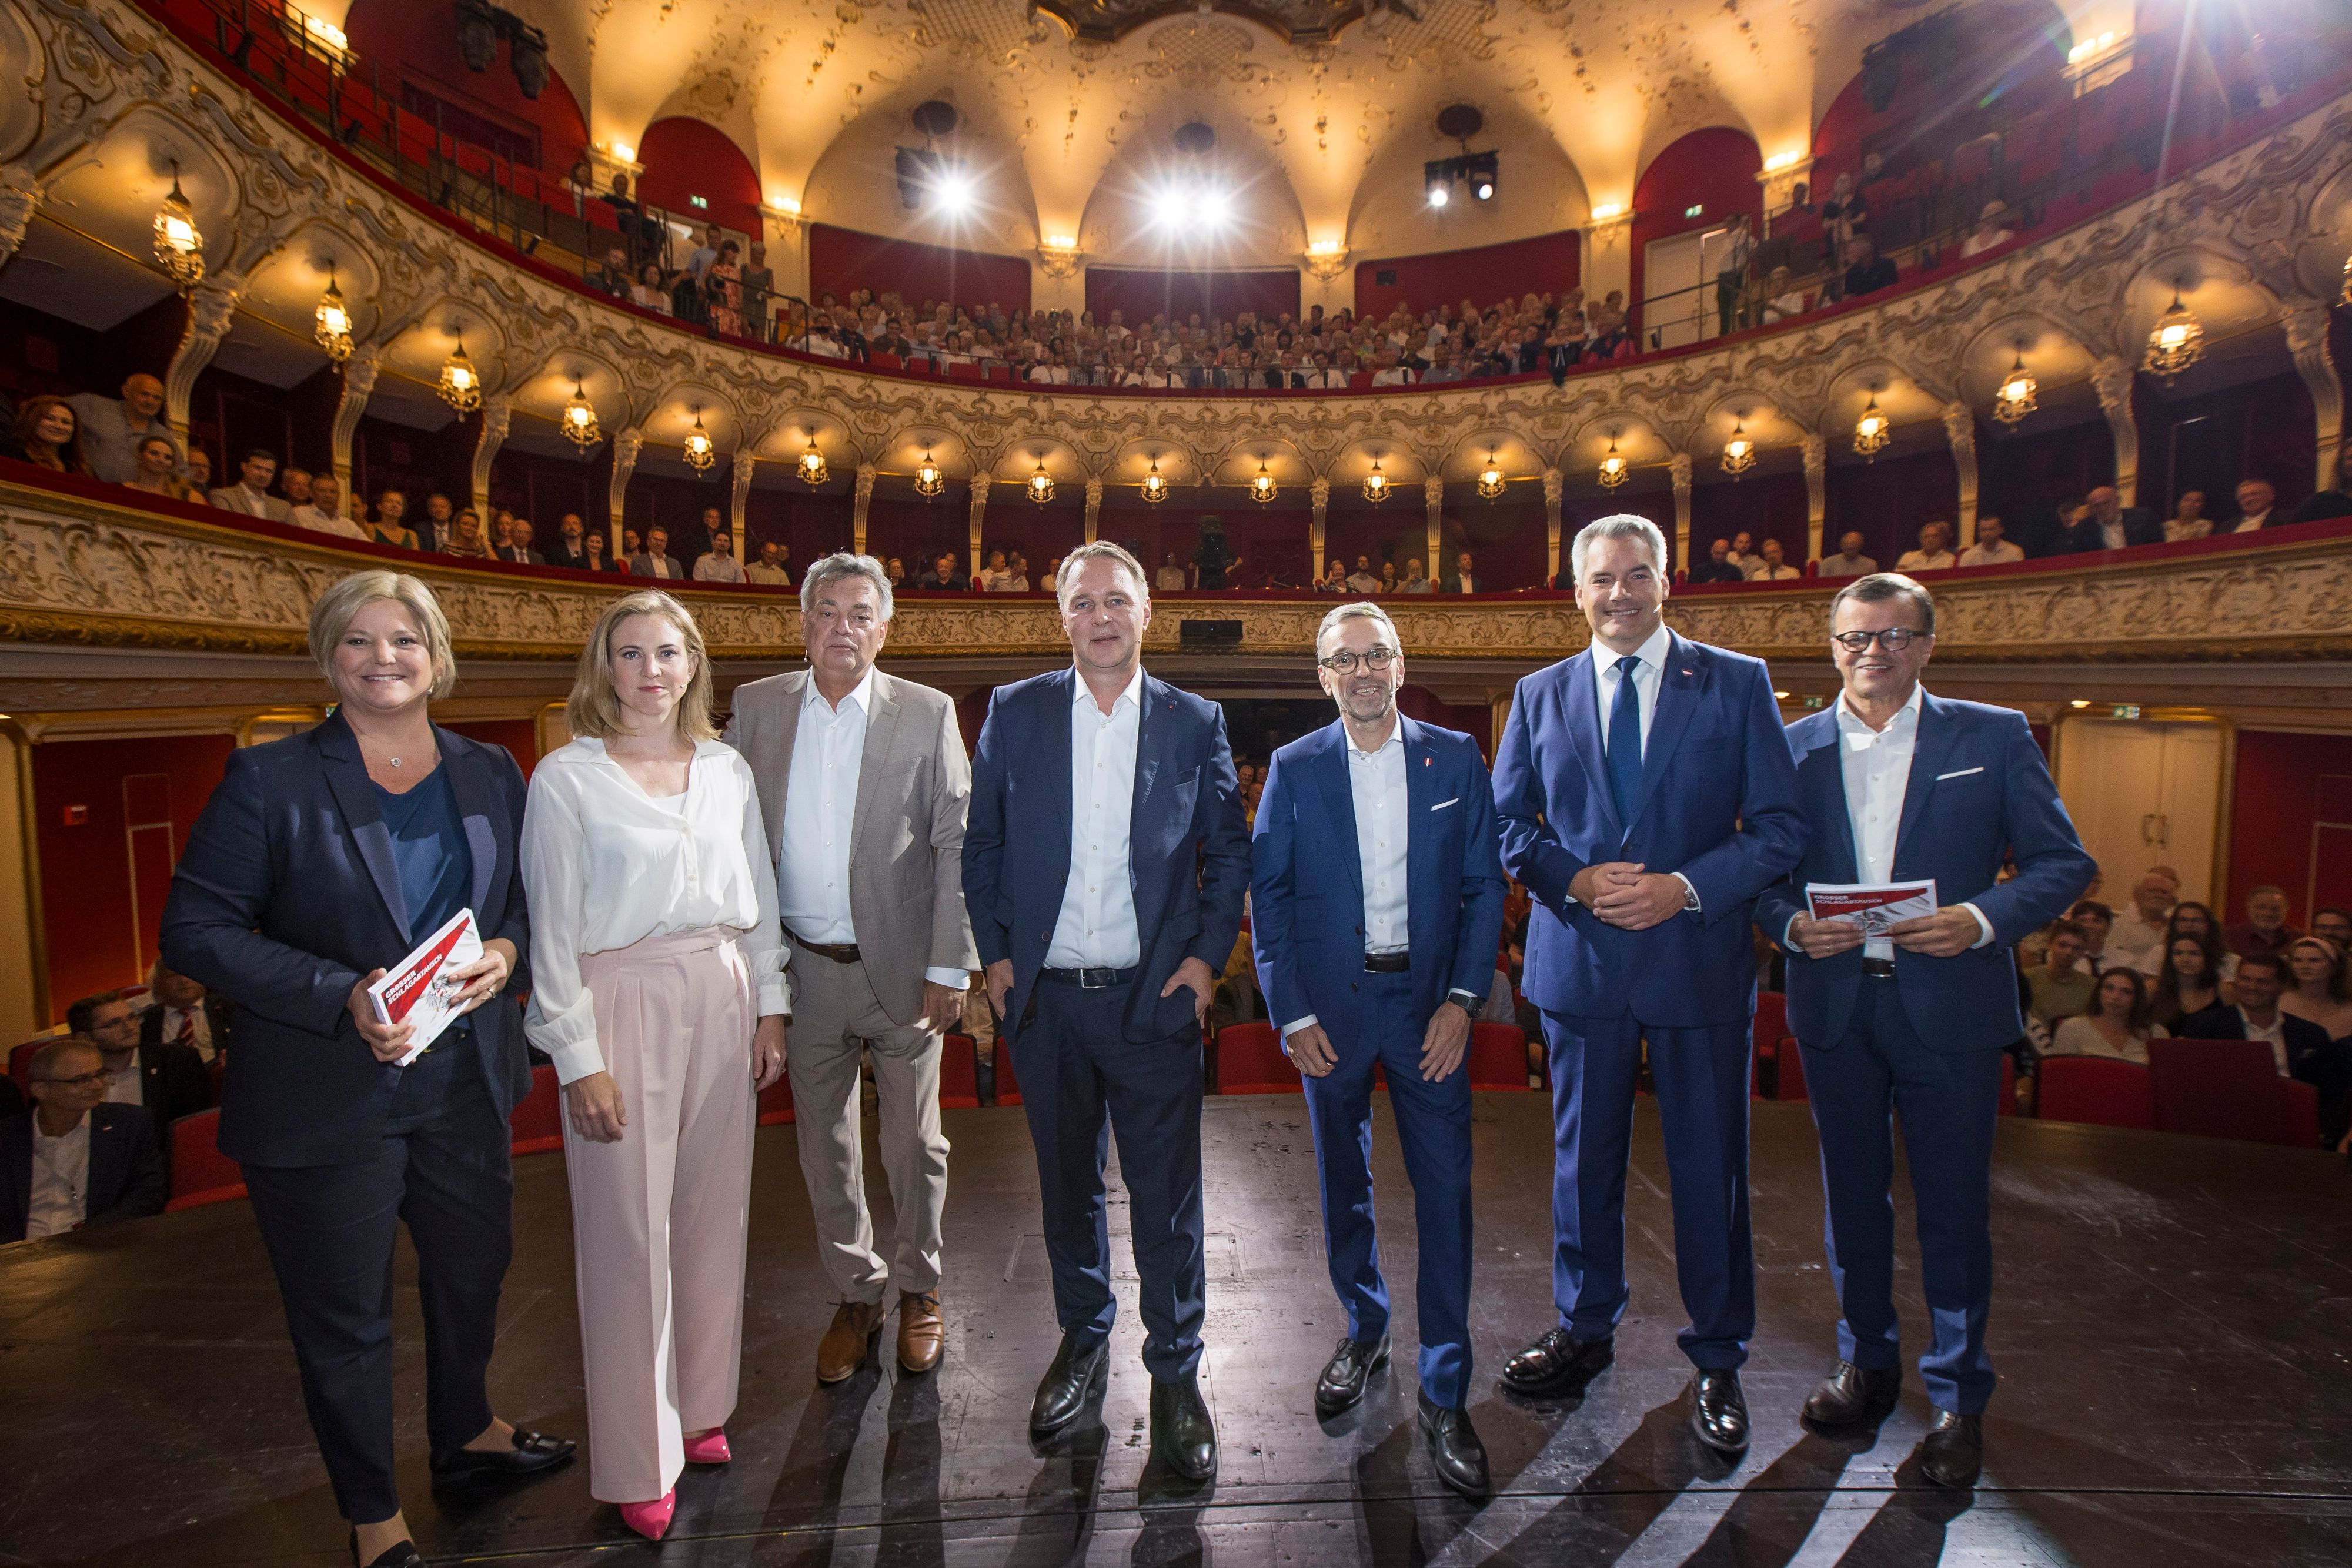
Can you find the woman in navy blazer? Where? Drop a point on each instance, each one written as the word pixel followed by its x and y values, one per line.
pixel 319 862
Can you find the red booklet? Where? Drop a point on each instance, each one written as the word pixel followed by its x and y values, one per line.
pixel 1875 907
pixel 419 992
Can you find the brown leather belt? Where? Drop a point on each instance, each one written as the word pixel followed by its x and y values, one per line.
pixel 840 953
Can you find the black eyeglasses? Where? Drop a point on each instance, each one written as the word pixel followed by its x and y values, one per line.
pixel 83 1081
pixel 1344 662
pixel 1894 639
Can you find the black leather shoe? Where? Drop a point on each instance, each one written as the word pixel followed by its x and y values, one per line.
pixel 1560 1362
pixel 1719 1412
pixel 1952 1453
pixel 1181 1432
pixel 1854 1396
pixel 1350 1368
pixel 532 1454
pixel 1077 1371
pixel 1454 1449
pixel 401 1554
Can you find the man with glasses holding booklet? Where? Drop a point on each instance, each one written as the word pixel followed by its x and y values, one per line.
pixel 1901 992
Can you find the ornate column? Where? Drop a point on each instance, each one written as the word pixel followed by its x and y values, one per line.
pixel 626 447
pixel 978 511
pixel 1815 449
pixel 1554 483
pixel 211 310
pixel 1960 429
pixel 1680 471
pixel 358 381
pixel 2111 378
pixel 20 194
pixel 1432 494
pixel 497 417
pixel 861 500
pixel 740 467
pixel 1319 495
pixel 2307 340
pixel 1094 507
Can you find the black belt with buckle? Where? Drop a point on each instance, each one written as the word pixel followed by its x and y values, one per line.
pixel 1089 980
pixel 1387 963
pixel 839 952
pixel 1878 968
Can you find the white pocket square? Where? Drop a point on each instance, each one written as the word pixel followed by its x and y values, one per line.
pixel 1442 804
pixel 1958 773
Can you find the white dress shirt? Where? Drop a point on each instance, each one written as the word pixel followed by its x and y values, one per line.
pixel 196 1021
pixel 1920 560
pixel 308 516
pixel 1877 775
pixel 129 1085
pixel 60 1200
pixel 1992 553
pixel 607 865
pixel 2276 1036
pixel 1376 784
pixel 1096 928
pixel 820 815
pixel 712 567
pixel 2253 524
pixel 1648 677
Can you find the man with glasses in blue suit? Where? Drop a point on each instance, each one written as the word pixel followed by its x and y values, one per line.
pixel 1646 797
pixel 1902 787
pixel 1377 902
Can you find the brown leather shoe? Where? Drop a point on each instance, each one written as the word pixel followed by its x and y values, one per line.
pixel 842 1349
pixel 921 1335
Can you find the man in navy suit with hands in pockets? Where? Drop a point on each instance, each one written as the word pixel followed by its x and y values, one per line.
pixel 1646 797
pixel 1378 901
pixel 1902 787
pixel 1103 925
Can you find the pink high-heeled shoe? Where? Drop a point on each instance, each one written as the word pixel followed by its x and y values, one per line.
pixel 651 1519
pixel 711 1449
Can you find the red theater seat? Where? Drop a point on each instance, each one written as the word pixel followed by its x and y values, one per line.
pixel 776 1102
pixel 20 1061
pixel 2228 1089
pixel 1498 1057
pixel 1250 1060
pixel 201 1174
pixel 1008 1081
pixel 537 1124
pixel 2098 1091
pixel 959 1072
pixel 881 362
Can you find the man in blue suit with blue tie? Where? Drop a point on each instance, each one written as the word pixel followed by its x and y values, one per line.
pixel 1902 786
pixel 1104 867
pixel 1376 905
pixel 1646 798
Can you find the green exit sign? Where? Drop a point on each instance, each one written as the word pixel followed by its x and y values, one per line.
pixel 1694 209
pixel 702 201
pixel 2126 710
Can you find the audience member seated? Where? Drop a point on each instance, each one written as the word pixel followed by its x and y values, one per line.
pixel 655 560
pixel 2137 938
pixel 570 549
pixel 180 1011
pixel 157 470
pixel 1992 229
pixel 1334 578
pixel 517 550
pixel 1465 578
pixel 1866 271
pixel 1776 567
pixel 650 292
pixel 2097 921
pixel 2189 985
pixel 2119 1021
pixel 1169 577
pixel 112 427
pixel 768 569
pixel 1935 551
pixel 2321 992
pixel 944 575
pixel 612 277
pixel 433 529
pixel 1416 580
pixel 1718 567
pixel 2299 1048
pixel 1783 301
pixel 1743 555
pixel 2189 520
pixel 75 1160
pixel 294 484
pixel 2333 925
pixel 993 578
pixel 718 564
pixel 2257 509
pixel 167 1078
pixel 390 526
pixel 2264 929
pixel 1014 578
pixel 593 555
pixel 1990 548
pixel 1363 580
pixel 48 434
pixel 2108 524
pixel 198 475
pixel 1848 561
pixel 2335 501
pixel 2060 986
pixel 250 494
pixel 465 536
pixel 323 512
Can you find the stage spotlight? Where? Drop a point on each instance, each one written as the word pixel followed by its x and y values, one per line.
pixel 1482 169
pixel 1439 193
pixel 1215 207
pixel 1484 189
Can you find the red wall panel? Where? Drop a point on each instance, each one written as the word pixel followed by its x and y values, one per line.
pixel 404 40
pixel 1485 275
pixel 1143 293
pixel 842 259
pixel 103 876
pixel 1713 170
pixel 685 159
pixel 2287 787
pixel 1767 506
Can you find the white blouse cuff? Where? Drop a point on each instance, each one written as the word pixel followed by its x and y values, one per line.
pixel 577 1061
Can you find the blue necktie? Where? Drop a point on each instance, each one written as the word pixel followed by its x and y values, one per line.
pixel 1625 742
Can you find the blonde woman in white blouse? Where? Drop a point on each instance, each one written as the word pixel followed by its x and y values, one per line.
pixel 658 992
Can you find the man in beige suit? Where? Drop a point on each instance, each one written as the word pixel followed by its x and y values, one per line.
pixel 864 782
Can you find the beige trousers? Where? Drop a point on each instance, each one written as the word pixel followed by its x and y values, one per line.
pixel 659 1219
pixel 834 1019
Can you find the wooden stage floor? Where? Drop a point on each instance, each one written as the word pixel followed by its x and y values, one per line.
pixel 2173 1329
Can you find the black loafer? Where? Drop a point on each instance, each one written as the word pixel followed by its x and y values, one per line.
pixel 1455 1450
pixel 1182 1434
pixel 533 1454
pixel 1952 1453
pixel 1077 1371
pixel 1719 1412
pixel 400 1555
pixel 1341 1386
pixel 1558 1363
pixel 1854 1396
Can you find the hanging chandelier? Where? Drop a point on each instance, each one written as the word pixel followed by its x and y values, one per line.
pixel 930 479
pixel 1739 452
pixel 1155 488
pixel 1490 478
pixel 1261 488
pixel 179 247
pixel 700 453
pixel 1041 485
pixel 580 426
pixel 335 322
pixel 1377 487
pixel 1614 470
pixel 2176 343
pixel 461 384
pixel 812 467
pixel 2020 393
pixel 1872 430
